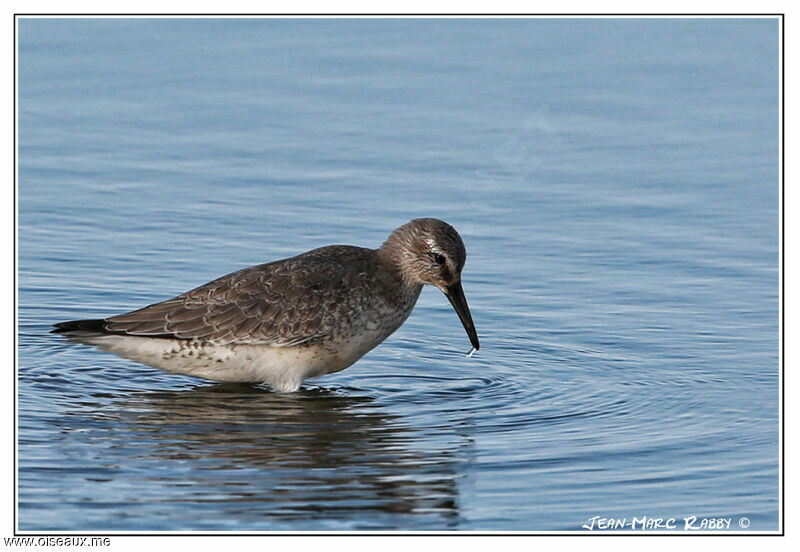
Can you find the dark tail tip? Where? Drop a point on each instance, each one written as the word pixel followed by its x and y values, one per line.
pixel 96 325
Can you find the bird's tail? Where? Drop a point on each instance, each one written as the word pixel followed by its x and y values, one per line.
pixel 81 327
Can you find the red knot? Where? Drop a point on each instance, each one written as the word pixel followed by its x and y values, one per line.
pixel 282 322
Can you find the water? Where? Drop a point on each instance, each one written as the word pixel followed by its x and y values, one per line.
pixel 615 182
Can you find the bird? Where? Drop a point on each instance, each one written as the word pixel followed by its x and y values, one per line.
pixel 282 322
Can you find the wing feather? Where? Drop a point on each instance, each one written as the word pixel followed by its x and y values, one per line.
pixel 283 303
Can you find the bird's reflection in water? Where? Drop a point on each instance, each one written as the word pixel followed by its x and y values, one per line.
pixel 317 455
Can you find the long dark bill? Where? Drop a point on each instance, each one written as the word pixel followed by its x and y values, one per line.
pixel 455 294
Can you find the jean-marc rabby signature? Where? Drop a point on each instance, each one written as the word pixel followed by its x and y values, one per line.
pixel 649 523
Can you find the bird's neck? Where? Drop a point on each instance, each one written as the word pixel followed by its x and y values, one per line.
pixel 395 258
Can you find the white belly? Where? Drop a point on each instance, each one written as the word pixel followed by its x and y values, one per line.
pixel 282 368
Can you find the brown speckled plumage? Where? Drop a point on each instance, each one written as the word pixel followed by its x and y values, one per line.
pixel 325 309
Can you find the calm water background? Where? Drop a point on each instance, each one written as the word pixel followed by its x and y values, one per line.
pixel 615 182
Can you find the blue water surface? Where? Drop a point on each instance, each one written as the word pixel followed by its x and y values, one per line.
pixel 615 182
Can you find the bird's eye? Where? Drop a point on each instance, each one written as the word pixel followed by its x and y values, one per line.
pixel 438 258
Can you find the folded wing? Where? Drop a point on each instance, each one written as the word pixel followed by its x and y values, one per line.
pixel 284 303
